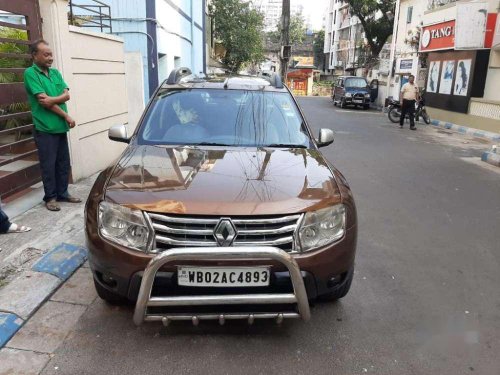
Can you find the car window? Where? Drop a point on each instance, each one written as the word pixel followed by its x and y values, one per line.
pixel 355 82
pixel 341 83
pixel 229 117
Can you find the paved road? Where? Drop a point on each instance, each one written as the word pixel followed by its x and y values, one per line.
pixel 425 299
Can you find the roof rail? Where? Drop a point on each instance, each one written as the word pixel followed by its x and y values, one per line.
pixel 273 78
pixel 176 75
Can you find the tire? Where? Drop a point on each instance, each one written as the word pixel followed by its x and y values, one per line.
pixel 426 117
pixel 341 291
pixel 394 115
pixel 365 107
pixel 110 297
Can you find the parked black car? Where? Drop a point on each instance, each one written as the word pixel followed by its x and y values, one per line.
pixel 349 90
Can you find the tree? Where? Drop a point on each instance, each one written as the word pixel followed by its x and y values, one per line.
pixel 239 29
pixel 319 46
pixel 377 23
pixel 297 30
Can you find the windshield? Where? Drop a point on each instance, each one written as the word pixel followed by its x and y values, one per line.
pixel 223 117
pixel 355 82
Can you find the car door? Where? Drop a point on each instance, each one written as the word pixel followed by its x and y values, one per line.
pixel 339 89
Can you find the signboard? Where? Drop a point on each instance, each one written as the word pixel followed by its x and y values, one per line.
pixel 496 38
pixel 406 65
pixel 443 35
pixel 438 36
pixel 471 25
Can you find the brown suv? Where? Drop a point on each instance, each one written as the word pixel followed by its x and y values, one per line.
pixel 221 207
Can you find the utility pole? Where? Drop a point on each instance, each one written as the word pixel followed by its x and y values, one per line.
pixel 285 38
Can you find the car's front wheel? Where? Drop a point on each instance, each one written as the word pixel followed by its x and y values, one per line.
pixel 341 290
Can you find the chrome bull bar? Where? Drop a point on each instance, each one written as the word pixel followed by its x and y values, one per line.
pixel 144 300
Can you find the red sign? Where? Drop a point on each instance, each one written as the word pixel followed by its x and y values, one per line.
pixel 490 30
pixel 438 36
pixel 442 35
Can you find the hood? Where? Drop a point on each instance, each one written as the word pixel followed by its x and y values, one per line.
pixel 357 90
pixel 237 181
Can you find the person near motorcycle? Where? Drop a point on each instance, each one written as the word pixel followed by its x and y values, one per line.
pixel 408 96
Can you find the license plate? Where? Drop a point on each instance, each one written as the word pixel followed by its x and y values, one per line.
pixel 357 101
pixel 222 276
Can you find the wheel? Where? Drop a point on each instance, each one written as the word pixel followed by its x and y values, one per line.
pixel 342 103
pixel 426 117
pixel 365 107
pixel 110 297
pixel 341 291
pixel 394 115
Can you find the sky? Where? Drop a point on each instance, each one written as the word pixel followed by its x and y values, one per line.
pixel 315 9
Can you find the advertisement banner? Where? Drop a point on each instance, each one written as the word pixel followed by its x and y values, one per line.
pixel 463 77
pixel 470 26
pixel 447 74
pixel 438 36
pixel 432 82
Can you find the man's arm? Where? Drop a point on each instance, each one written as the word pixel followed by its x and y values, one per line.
pixel 49 101
pixel 58 111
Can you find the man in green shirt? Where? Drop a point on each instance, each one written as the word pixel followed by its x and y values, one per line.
pixel 47 95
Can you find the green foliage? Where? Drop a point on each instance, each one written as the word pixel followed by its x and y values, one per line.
pixel 239 28
pixel 297 31
pixel 318 47
pixel 11 62
pixel 375 17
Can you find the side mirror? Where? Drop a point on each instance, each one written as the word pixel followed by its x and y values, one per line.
pixel 325 137
pixel 118 133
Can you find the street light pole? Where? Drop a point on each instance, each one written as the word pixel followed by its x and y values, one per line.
pixel 285 38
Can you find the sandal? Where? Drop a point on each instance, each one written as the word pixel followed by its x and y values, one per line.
pixel 52 206
pixel 16 228
pixel 69 199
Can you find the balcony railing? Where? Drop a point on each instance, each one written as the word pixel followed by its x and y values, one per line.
pixel 90 13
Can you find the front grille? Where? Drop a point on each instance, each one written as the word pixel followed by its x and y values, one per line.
pixel 359 96
pixel 198 231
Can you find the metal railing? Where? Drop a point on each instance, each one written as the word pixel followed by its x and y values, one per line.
pixel 94 15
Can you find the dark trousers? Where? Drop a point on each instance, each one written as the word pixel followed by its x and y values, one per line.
pixel 4 222
pixel 53 153
pixel 408 106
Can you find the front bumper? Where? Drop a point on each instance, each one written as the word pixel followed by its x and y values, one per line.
pixel 357 101
pixel 322 269
pixel 145 300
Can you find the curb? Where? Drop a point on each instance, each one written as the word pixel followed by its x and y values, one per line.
pixel 491 158
pixel 495 137
pixel 46 275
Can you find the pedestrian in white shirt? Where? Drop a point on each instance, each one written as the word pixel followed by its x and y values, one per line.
pixel 408 97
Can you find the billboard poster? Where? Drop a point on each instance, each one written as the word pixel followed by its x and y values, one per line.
pixel 463 77
pixel 446 83
pixel 470 26
pixel 432 81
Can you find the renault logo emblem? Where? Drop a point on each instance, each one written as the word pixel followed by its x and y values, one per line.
pixel 225 232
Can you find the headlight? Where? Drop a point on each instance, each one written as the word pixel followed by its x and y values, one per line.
pixel 123 225
pixel 367 95
pixel 322 227
pixel 348 94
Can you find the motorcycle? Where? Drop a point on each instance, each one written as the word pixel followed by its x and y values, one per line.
pixel 420 111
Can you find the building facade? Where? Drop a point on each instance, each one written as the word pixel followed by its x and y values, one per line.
pixel 168 34
pixel 343 38
pixel 453 48
pixel 271 9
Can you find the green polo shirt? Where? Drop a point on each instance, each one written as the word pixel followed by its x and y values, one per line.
pixel 37 82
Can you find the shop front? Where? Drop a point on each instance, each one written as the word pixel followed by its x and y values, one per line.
pixel 458 62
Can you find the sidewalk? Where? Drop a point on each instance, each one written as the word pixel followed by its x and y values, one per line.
pixel 35 267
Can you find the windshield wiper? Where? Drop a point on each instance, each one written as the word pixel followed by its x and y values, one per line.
pixel 284 145
pixel 209 144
